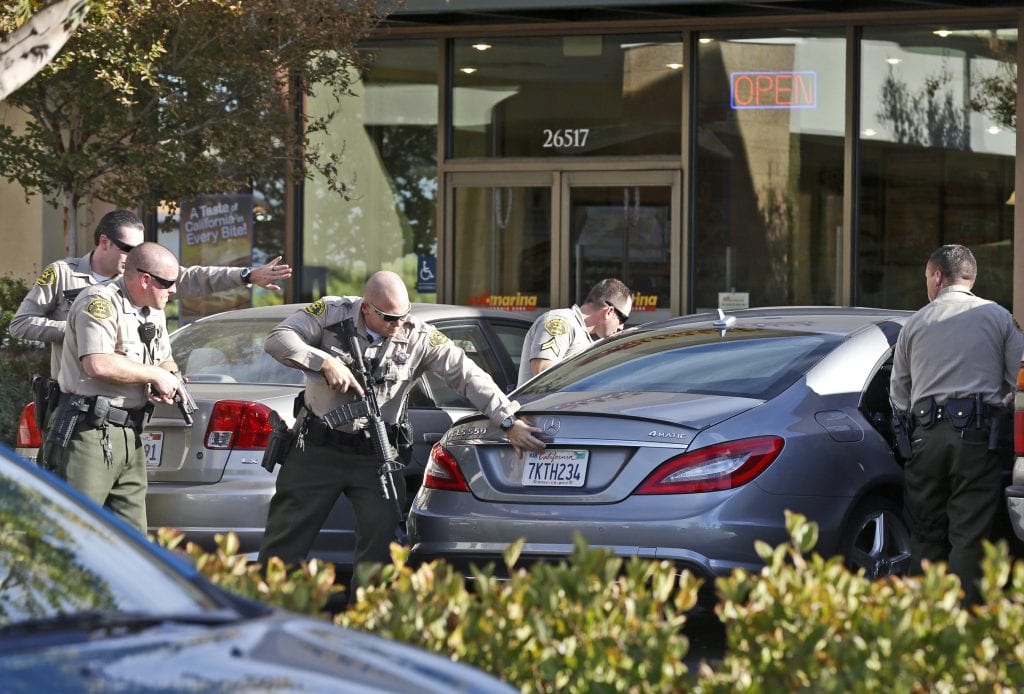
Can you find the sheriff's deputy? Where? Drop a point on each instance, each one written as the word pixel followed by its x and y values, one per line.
pixel 116 360
pixel 327 462
pixel 44 309
pixel 562 332
pixel 953 361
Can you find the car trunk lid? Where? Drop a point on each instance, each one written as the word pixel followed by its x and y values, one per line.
pixel 600 446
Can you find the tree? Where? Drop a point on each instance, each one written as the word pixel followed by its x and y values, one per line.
pixel 30 41
pixel 167 99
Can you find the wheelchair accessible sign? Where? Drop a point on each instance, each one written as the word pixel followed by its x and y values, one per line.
pixel 426 274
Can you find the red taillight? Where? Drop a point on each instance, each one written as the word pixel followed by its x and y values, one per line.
pixel 238 425
pixel 443 472
pixel 722 466
pixel 1018 414
pixel 29 435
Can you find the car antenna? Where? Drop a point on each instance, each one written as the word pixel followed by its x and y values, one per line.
pixel 723 322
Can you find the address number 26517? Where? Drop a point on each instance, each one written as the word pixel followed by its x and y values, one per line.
pixel 565 138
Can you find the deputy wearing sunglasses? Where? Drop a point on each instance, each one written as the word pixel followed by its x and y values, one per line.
pixel 563 332
pixel 44 310
pixel 326 461
pixel 111 369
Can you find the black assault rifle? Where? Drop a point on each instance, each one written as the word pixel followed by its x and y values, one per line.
pixel 368 406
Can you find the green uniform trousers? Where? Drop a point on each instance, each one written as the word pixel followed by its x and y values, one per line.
pixel 952 493
pixel 120 484
pixel 309 484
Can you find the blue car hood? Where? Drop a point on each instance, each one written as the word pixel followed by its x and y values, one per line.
pixel 687 409
pixel 282 652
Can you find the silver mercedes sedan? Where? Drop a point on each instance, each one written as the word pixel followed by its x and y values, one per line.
pixel 687 440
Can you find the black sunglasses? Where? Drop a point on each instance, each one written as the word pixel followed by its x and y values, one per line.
pixel 386 317
pixel 125 248
pixel 166 284
pixel 621 316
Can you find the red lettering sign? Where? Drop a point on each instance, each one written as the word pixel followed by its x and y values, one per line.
pixel 751 90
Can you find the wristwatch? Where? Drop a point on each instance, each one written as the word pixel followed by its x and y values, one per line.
pixel 508 423
pixel 247 276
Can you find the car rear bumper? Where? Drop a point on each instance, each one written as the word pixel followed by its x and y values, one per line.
pixel 1015 507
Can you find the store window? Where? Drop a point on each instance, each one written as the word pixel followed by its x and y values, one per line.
pixel 937 141
pixel 385 134
pixel 769 176
pixel 567 96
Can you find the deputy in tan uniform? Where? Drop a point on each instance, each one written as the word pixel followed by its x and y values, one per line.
pixel 562 332
pixel 44 309
pixel 110 371
pixel 398 348
pixel 954 360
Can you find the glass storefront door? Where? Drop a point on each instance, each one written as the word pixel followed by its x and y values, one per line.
pixel 622 225
pixel 538 240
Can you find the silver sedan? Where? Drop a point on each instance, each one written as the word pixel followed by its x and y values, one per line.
pixel 687 440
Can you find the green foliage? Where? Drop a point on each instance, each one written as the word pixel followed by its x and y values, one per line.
pixel 175 98
pixel 592 622
pixel 809 623
pixel 305 589
pixel 19 361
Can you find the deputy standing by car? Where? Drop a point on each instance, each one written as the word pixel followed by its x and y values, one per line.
pixel 562 332
pixel 327 462
pixel 111 367
pixel 44 309
pixel 953 360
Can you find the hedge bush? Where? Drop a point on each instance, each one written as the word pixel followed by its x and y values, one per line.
pixel 596 622
pixel 19 361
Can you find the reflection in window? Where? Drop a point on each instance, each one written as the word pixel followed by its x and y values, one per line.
pixel 769 176
pixel 567 96
pixel 386 137
pixel 937 146
pixel 503 247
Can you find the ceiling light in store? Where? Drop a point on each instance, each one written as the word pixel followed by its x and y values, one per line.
pixel 467 70
pixel 674 66
pixel 482 46
pixel 994 130
pixel 705 39
pixel 943 33
pixel 894 61
pixel 869 132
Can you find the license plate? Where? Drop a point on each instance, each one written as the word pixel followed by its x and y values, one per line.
pixel 556 468
pixel 153 446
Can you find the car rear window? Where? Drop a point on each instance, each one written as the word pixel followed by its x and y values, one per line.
pixel 230 351
pixel 745 362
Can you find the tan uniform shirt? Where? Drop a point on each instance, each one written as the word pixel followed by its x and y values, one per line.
pixel 103 321
pixel 303 340
pixel 555 335
pixel 957 345
pixel 43 311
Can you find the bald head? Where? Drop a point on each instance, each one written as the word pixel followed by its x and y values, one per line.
pixel 149 268
pixel 387 291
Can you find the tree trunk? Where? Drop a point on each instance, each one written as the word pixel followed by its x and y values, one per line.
pixel 70 223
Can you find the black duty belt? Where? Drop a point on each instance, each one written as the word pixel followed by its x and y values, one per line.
pixel 319 433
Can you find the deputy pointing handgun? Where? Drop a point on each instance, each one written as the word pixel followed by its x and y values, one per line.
pixel 327 461
pixel 116 361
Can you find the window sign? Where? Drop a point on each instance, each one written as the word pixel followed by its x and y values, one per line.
pixel 216 230
pixel 773 89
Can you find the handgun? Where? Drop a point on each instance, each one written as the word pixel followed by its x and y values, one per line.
pixel 186 405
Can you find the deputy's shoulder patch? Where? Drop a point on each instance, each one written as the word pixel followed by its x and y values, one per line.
pixel 556 326
pixel 100 309
pixel 317 308
pixel 48 277
pixel 438 338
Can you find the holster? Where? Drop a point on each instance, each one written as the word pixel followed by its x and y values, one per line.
pixel 72 410
pixel 901 435
pixel 45 394
pixel 279 442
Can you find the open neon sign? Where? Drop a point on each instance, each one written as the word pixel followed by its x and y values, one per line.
pixel 749 90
